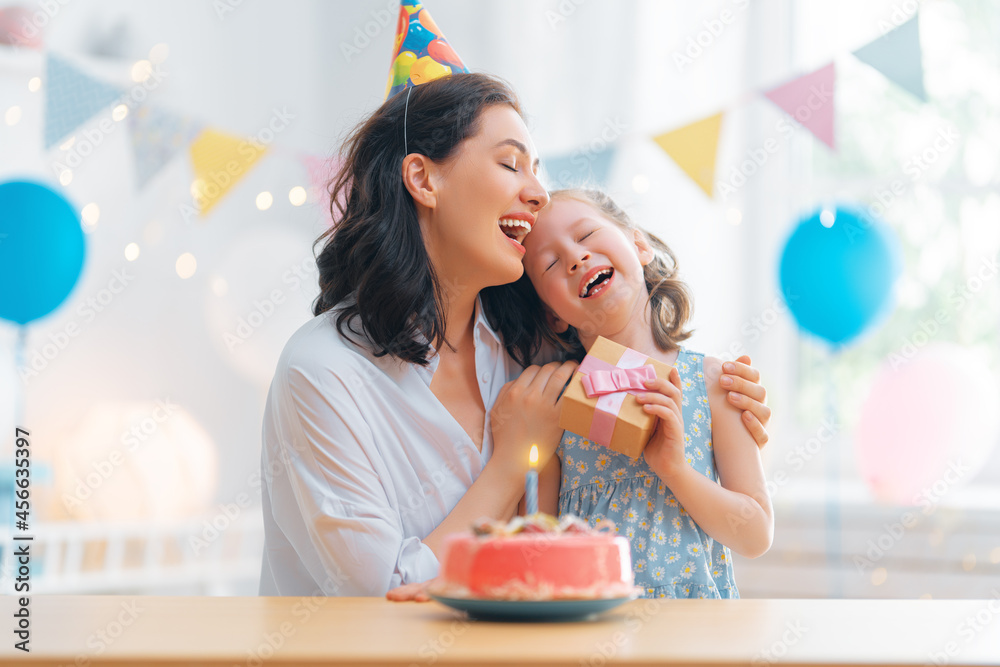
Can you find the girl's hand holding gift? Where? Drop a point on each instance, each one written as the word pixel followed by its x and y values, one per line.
pixel 665 451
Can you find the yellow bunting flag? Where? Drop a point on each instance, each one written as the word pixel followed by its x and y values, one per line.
pixel 220 160
pixel 693 148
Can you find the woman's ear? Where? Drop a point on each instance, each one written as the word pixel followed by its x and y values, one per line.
pixel 419 179
pixel 643 248
pixel 554 322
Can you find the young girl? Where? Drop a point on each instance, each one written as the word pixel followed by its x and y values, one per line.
pixel 698 490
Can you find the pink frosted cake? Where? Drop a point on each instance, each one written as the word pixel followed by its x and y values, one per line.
pixel 535 558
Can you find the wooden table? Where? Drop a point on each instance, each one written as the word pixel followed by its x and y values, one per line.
pixel 191 631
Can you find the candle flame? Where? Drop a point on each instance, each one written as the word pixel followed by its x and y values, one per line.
pixel 533 456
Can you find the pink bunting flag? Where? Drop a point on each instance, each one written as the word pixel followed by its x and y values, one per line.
pixel 809 99
pixel 322 170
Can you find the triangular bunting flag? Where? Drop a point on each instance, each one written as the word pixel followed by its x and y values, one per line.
pixel 220 160
pixel 72 98
pixel 157 136
pixel 579 169
pixel 809 100
pixel 897 56
pixel 693 148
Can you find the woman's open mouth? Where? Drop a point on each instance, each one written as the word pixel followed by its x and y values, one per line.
pixel 515 230
pixel 596 282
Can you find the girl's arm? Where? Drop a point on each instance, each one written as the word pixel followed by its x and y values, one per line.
pixel 738 513
pixel 548 487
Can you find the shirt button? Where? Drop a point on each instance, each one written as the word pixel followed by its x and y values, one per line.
pixel 485 377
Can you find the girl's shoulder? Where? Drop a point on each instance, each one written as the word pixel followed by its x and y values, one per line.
pixel 698 360
pixel 701 366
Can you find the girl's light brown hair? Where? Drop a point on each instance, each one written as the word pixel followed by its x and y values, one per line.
pixel 669 298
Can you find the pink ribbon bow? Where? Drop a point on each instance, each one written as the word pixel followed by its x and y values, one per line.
pixel 627 377
pixel 603 382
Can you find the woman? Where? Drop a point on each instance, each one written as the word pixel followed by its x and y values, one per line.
pixel 400 413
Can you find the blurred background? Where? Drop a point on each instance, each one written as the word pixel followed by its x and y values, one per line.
pixel 736 130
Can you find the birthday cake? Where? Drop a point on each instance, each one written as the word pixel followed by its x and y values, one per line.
pixel 535 558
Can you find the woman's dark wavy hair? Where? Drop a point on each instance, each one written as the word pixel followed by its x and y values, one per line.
pixel 669 297
pixel 374 265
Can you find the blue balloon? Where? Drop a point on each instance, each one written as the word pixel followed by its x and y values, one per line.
pixel 41 250
pixel 837 277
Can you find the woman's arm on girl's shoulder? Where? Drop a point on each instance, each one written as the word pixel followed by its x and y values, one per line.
pixel 744 391
pixel 737 458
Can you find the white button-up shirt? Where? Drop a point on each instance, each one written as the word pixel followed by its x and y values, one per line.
pixel 360 462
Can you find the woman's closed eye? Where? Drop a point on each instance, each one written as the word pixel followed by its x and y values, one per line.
pixel 512 168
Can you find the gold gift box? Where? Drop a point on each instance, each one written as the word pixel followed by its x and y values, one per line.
pixel 633 426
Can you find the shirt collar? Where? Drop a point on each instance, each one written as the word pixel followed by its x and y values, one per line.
pixel 482 322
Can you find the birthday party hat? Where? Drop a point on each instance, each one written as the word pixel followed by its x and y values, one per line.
pixel 420 52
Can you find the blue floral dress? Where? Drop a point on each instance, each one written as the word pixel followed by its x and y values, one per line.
pixel 672 557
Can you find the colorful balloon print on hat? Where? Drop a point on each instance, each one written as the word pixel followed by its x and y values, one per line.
pixel 420 51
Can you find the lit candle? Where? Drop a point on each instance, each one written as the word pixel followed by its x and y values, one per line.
pixel 531 483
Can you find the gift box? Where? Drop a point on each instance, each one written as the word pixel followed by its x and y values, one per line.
pixel 600 404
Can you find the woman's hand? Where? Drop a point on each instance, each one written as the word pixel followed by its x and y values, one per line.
pixel 665 451
pixel 742 382
pixel 409 593
pixel 526 413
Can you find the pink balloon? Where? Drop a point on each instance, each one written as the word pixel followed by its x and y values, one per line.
pixel 928 425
